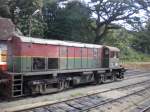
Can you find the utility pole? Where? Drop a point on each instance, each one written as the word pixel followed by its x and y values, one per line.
pixel 30 21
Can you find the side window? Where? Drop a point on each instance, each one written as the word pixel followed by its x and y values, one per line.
pixel 38 63
pixel 4 56
pixel 95 52
pixel 117 54
pixel 3 52
pixel 52 63
pixel 112 54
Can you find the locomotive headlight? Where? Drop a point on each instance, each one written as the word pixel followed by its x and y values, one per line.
pixel 116 64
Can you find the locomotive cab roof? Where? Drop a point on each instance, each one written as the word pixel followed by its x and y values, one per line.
pixel 112 48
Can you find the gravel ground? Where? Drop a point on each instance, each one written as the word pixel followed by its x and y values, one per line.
pixel 85 103
pixel 128 104
pixel 137 65
pixel 51 98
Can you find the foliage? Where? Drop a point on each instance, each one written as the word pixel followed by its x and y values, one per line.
pixel 26 9
pixel 20 12
pixel 125 40
pixel 70 22
pixel 4 8
pixel 120 38
pixel 108 11
pixel 142 40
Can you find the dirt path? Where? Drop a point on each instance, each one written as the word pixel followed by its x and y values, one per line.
pixel 137 65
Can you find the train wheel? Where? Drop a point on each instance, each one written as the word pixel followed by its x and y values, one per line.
pixel 114 77
pixel 66 84
pixel 121 75
pixel 97 79
pixel 101 79
pixel 42 89
pixel 61 85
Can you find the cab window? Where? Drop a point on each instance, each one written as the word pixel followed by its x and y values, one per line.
pixel 3 53
pixel 114 54
pixel 4 56
pixel 117 54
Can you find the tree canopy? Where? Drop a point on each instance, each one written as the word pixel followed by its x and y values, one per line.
pixel 96 21
pixel 70 22
pixel 109 11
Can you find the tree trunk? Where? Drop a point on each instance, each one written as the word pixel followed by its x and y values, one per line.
pixel 97 39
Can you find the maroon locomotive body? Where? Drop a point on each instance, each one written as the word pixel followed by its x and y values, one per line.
pixel 42 66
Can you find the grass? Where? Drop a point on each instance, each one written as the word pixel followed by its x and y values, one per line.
pixel 76 94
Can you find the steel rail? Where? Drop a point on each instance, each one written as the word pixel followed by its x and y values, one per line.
pixel 136 76
pixel 147 109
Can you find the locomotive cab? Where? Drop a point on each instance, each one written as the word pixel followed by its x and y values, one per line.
pixel 111 57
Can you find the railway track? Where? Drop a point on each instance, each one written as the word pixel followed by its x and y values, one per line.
pixel 142 107
pixel 135 72
pixel 136 76
pixel 86 103
pixel 146 109
pixel 136 93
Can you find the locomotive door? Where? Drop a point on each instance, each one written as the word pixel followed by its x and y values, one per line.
pixel 106 57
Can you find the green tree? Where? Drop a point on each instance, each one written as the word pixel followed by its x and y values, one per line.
pixel 142 40
pixel 70 22
pixel 4 8
pixel 20 11
pixel 108 11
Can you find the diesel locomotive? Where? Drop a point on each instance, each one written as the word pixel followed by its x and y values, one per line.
pixel 40 66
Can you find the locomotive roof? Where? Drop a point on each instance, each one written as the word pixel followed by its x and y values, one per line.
pixel 57 42
pixel 113 48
